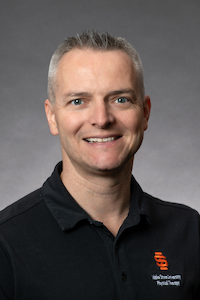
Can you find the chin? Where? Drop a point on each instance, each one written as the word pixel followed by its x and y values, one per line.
pixel 112 167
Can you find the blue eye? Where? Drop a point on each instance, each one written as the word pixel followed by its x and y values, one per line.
pixel 77 102
pixel 121 100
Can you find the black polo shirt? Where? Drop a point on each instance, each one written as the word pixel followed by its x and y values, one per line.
pixel 51 249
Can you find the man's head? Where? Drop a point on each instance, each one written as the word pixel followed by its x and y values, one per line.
pixel 94 41
pixel 98 111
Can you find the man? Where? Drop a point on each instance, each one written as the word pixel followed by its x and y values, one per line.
pixel 90 232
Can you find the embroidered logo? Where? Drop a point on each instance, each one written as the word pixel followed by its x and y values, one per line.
pixel 167 280
pixel 161 261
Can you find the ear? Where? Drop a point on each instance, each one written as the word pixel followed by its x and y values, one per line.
pixel 147 109
pixel 49 109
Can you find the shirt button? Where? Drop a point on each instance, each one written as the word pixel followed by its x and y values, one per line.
pixel 123 276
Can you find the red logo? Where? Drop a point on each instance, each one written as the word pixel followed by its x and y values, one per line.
pixel 161 261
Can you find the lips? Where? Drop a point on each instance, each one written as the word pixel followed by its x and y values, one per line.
pixel 101 140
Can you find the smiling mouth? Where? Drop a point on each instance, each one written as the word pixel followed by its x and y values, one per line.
pixel 103 140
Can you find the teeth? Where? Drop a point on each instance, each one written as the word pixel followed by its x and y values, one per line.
pixel 97 140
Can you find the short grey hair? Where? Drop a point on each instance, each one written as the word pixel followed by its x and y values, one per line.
pixel 93 40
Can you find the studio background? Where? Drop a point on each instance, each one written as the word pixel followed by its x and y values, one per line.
pixel 166 35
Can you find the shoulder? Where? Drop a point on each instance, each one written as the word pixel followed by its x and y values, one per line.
pixel 169 211
pixel 21 206
pixel 157 208
pixel 169 205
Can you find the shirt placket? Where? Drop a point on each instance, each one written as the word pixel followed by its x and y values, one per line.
pixel 120 263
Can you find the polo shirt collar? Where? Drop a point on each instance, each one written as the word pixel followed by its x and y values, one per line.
pixel 68 213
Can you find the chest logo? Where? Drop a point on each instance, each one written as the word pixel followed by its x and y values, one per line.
pixel 161 261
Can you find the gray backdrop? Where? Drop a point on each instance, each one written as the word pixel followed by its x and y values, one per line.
pixel 165 33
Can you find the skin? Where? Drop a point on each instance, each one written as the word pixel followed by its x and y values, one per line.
pixel 97 97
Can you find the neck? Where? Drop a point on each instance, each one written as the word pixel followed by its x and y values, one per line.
pixel 105 198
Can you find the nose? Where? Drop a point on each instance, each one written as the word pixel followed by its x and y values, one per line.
pixel 101 114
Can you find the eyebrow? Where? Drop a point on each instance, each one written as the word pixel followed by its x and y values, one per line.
pixel 123 91
pixel 79 94
pixel 111 93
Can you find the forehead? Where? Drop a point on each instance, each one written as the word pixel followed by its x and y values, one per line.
pixel 94 68
pixel 79 57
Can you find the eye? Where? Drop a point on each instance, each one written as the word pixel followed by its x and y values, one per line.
pixel 77 102
pixel 122 100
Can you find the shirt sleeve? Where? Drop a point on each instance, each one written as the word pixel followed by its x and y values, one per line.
pixel 6 273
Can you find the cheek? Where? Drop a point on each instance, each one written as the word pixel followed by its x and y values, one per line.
pixel 133 122
pixel 70 127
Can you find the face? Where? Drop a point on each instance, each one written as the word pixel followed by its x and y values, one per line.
pixel 98 112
